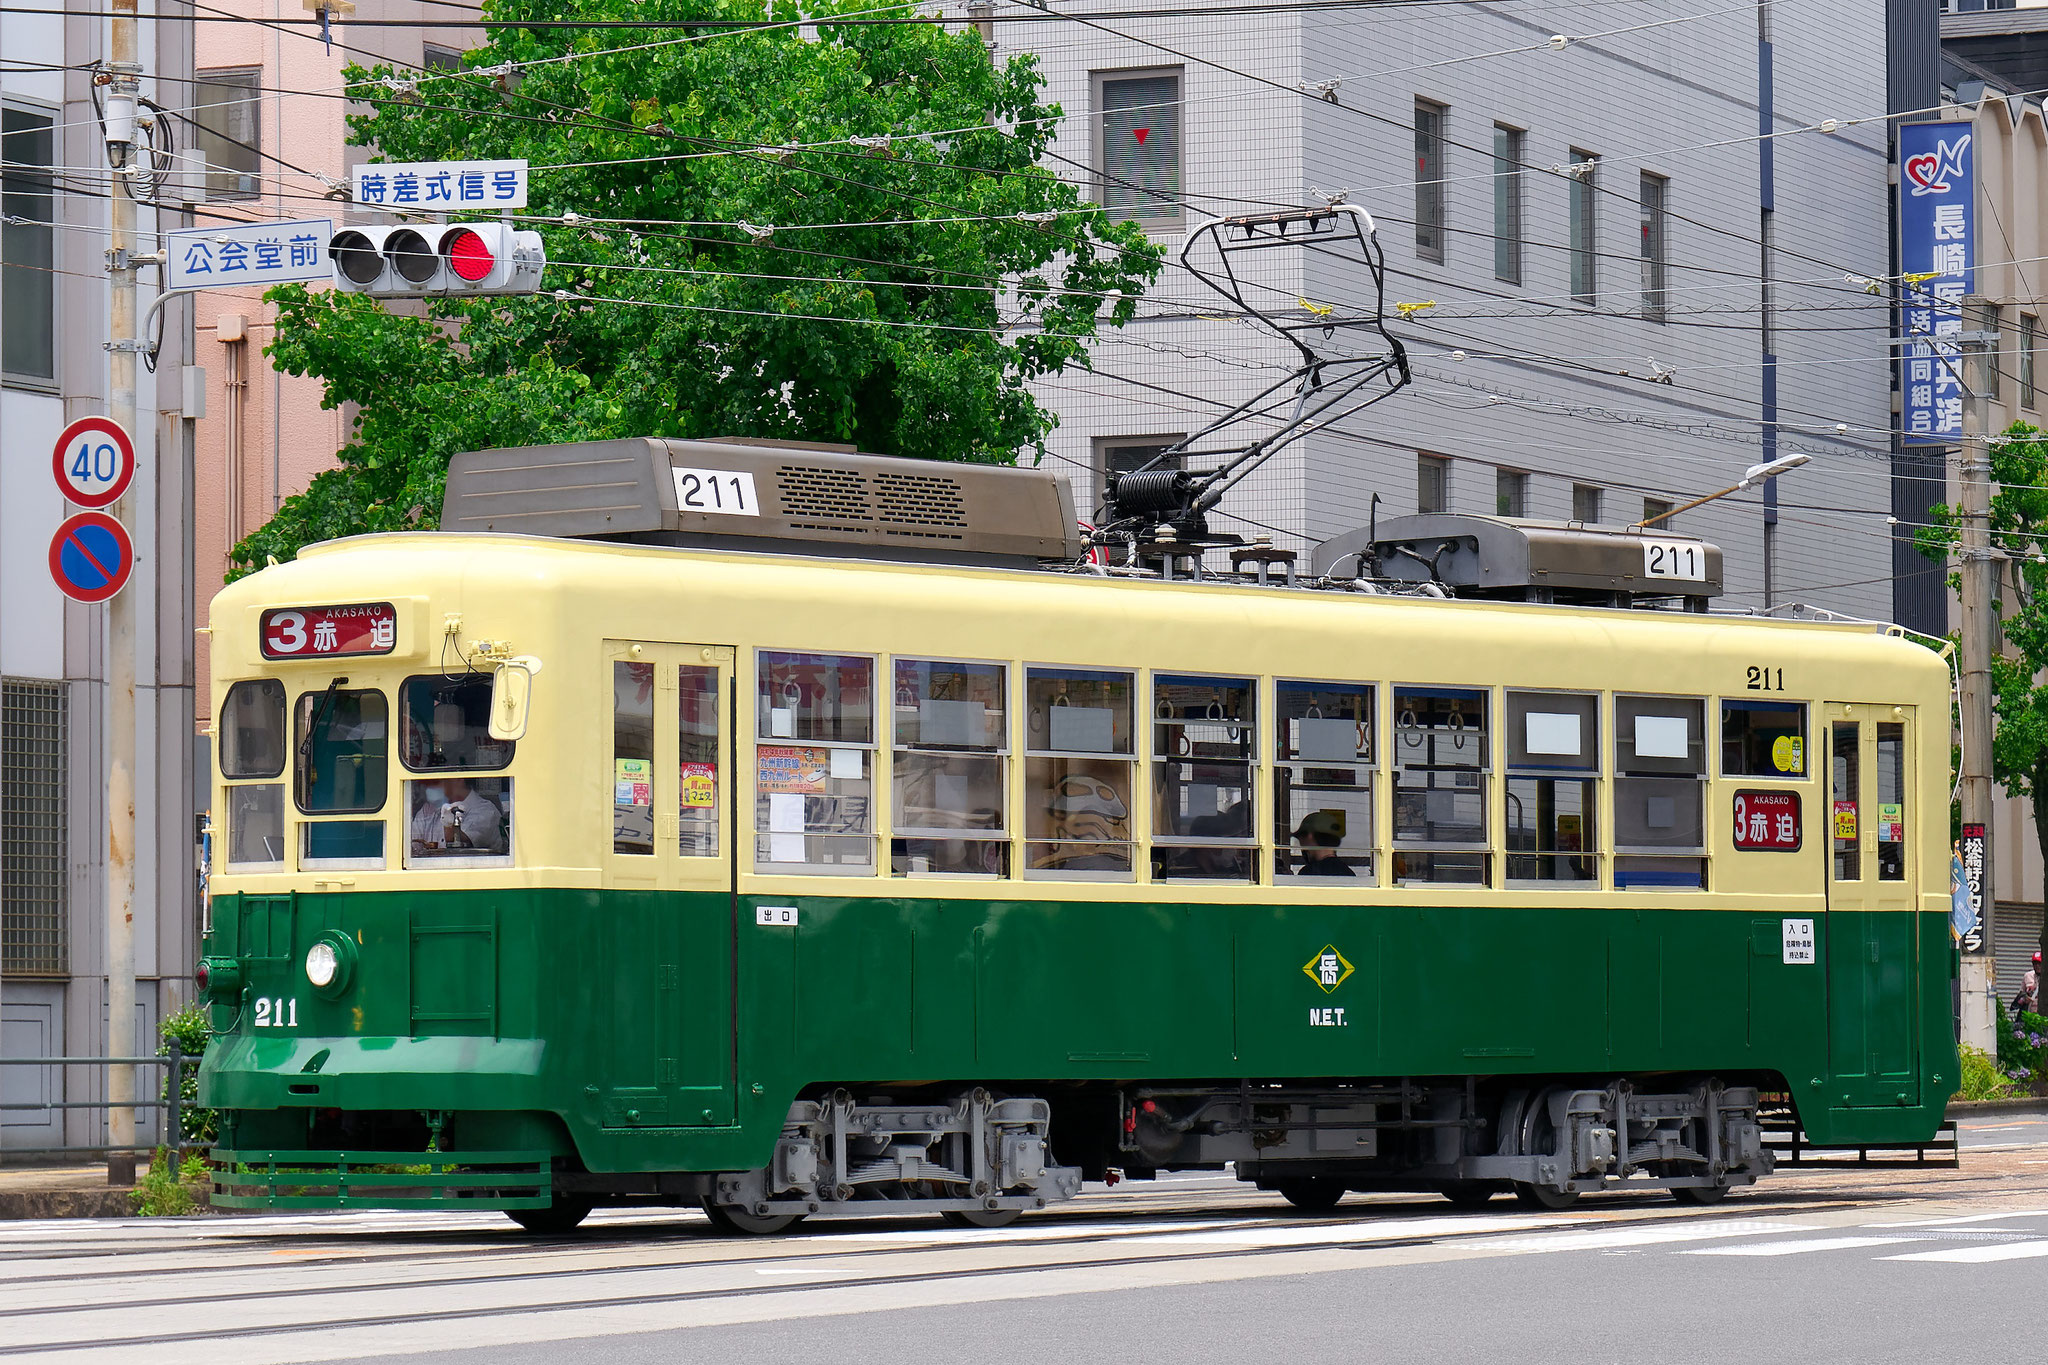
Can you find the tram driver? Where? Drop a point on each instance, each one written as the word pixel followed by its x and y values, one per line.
pixel 452 818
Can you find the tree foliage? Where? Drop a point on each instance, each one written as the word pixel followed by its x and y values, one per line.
pixel 908 294
pixel 2019 528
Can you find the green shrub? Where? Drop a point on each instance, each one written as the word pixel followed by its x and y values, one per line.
pixel 169 1189
pixel 1982 1080
pixel 2022 1045
pixel 189 1028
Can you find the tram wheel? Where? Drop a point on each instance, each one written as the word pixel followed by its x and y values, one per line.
pixel 981 1218
pixel 1544 1197
pixel 1316 1194
pixel 561 1216
pixel 1470 1194
pixel 735 1221
pixel 1700 1194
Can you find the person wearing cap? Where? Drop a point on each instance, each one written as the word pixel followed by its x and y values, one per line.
pixel 1319 834
pixel 2028 1001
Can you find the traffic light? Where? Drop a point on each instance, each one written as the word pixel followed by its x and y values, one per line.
pixel 456 259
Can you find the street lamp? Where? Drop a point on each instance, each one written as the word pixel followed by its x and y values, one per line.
pixel 1755 474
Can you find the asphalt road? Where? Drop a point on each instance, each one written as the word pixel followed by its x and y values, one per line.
pixel 1816 1266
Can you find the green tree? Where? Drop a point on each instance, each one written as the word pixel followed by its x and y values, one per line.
pixel 909 292
pixel 2019 531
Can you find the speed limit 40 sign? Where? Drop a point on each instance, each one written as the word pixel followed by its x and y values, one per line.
pixel 94 460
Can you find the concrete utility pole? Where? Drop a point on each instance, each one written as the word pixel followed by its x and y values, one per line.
pixel 122 94
pixel 1980 983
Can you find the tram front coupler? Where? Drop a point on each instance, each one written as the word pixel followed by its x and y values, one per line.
pixel 972 1153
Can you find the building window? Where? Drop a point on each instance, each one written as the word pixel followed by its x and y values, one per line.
pixel 33 864
pixel 1507 204
pixel 1585 503
pixel 2030 341
pixel 1511 493
pixel 28 247
pixel 436 58
pixel 1116 456
pixel 1429 180
pixel 1655 224
pixel 1432 483
pixel 1138 122
pixel 225 127
pixel 1657 512
pixel 1994 323
pixel 1584 187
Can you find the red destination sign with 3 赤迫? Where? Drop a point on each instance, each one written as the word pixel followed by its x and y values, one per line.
pixel 326 632
pixel 1767 821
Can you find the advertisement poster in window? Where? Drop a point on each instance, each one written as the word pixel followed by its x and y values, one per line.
pixel 1845 819
pixel 699 785
pixel 793 769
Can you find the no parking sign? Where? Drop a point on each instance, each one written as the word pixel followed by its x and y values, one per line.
pixel 91 557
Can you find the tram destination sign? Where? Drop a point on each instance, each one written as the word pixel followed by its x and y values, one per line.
pixel 328 632
pixel 1767 822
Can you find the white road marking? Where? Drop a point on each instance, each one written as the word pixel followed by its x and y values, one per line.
pixel 1978 1255
pixel 1321 1234
pixel 1969 1218
pixel 1644 1237
pixel 1795 1248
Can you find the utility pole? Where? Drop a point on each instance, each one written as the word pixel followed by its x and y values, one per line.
pixel 1979 983
pixel 122 94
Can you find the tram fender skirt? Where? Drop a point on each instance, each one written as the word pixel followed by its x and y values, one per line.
pixel 243 1071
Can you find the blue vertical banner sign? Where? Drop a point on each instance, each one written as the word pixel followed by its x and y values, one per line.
pixel 1938 260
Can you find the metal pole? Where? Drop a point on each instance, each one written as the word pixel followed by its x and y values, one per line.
pixel 1979 967
pixel 120 946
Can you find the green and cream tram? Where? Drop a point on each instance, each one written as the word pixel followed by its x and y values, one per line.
pixel 841 847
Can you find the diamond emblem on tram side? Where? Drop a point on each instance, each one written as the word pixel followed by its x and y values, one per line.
pixel 1328 968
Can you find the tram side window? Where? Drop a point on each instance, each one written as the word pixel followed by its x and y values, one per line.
pixel 1441 762
pixel 343 743
pixel 252 745
pixel 1553 786
pixel 1763 738
pixel 1204 745
pixel 1078 774
pixel 633 776
pixel 1891 802
pixel 444 729
pixel 814 762
pixel 698 709
pixel 950 727
pixel 1322 783
pixel 1660 785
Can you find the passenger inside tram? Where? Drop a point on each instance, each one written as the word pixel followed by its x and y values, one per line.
pixel 1319 834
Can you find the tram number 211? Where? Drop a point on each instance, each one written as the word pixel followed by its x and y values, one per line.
pixel 1674 559
pixel 276 1012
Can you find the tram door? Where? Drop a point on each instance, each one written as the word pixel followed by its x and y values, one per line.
pixel 669 765
pixel 1872 946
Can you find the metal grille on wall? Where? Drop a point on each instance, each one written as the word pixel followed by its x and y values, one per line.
pixel 33 736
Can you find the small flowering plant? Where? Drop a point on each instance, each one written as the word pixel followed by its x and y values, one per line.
pixel 2022 1046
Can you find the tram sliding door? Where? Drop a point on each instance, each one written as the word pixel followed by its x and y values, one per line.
pixel 668 877
pixel 1872 946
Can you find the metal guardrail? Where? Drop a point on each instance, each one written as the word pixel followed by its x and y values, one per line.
pixel 173 1065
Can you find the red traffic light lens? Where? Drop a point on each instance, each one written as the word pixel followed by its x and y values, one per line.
pixel 468 255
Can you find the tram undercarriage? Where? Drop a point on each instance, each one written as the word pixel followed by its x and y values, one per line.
pixel 981 1160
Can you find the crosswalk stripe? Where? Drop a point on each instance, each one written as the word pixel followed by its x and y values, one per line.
pixel 1795 1248
pixel 1979 1255
pixel 1645 1237
pixel 1969 1218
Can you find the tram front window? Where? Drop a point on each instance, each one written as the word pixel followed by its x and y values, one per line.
pixel 344 738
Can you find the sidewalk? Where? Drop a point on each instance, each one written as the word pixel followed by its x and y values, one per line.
pixel 61 1192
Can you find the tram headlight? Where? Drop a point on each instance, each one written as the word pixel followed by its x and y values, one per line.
pixel 330 963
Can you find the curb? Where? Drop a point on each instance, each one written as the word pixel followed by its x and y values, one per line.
pixel 112 1202
pixel 2026 1104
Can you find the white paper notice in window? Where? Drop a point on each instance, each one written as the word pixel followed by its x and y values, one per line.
pixel 1663 737
pixel 1552 732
